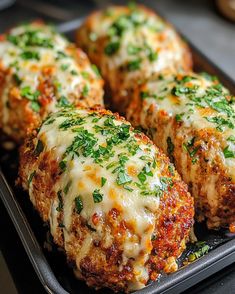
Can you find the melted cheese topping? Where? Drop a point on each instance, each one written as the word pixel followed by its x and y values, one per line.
pixel 35 53
pixel 139 41
pixel 199 102
pixel 105 166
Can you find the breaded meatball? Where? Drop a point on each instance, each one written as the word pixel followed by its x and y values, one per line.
pixel 129 45
pixel 192 118
pixel 113 201
pixel 39 72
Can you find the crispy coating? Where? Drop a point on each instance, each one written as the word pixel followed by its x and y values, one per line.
pixel 129 45
pixel 107 243
pixel 192 118
pixel 39 72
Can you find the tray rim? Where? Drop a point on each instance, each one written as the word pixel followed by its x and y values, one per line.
pixel 184 278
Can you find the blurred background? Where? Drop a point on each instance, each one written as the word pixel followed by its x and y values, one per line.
pixel 199 20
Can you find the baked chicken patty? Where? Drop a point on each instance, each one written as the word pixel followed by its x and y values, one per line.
pixel 192 118
pixel 129 45
pixel 113 201
pixel 39 72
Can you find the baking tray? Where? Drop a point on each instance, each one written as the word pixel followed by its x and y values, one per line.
pixel 50 263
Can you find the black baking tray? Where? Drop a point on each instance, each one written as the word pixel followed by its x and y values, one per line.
pixel 50 263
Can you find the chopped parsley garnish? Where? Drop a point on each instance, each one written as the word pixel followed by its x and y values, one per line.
pixel 200 249
pixel 123 178
pixel 179 116
pixel 166 183
pixel 63 165
pixel 74 72
pixel 134 64
pixel 67 187
pixel 17 79
pixel 30 55
pixel 57 85
pixel 209 77
pixel 39 148
pixel 85 90
pixel 179 90
pixel 231 138
pixel 96 70
pixel 35 106
pixel 115 136
pixel 97 196
pixel 220 122
pixel 31 177
pixel 61 54
pixel 171 169
pixel 78 204
pixel 228 153
pixel 71 122
pixel 85 74
pixel 30 38
pixel 60 198
pixel 144 94
pixel 103 181
pixel 64 66
pixel 63 102
pixel 189 147
pixel 112 48
pixel 133 50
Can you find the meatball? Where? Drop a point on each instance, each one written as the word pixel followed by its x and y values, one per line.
pixel 192 118
pixel 113 201
pixel 39 72
pixel 129 44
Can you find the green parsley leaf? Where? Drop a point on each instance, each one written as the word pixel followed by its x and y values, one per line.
pixel 39 148
pixel 228 153
pixel 67 187
pixel 17 79
pixel 26 92
pixel 85 90
pixel 64 66
pixel 231 138
pixel 132 49
pixel 78 204
pixel 179 116
pixel 134 64
pixel 112 48
pixel 26 55
pixel 103 181
pixel 63 102
pixel 31 177
pixel 96 70
pixel 35 106
pixel 63 165
pixel 170 149
pixel 97 196
pixel 123 178
pixel 142 177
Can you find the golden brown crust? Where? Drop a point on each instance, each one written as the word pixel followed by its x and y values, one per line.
pixel 101 265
